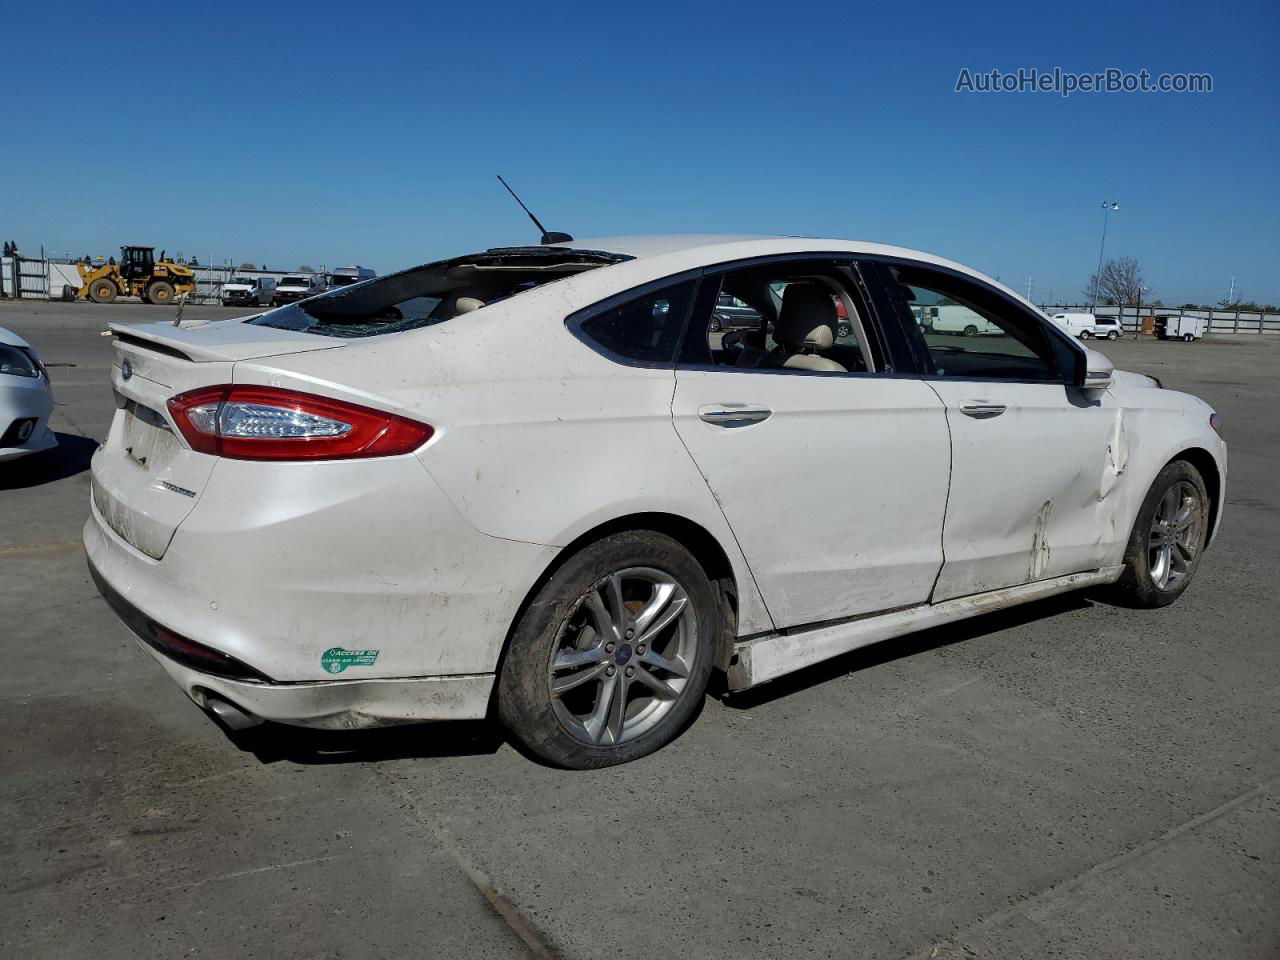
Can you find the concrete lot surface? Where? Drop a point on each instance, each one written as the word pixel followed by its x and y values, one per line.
pixel 1067 779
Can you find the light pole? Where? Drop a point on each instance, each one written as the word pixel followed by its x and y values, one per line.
pixel 1107 207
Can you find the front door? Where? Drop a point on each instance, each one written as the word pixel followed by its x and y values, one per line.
pixel 1029 451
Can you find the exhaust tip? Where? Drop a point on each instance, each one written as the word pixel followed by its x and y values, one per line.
pixel 230 715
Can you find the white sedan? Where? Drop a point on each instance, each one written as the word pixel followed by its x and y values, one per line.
pixel 532 481
pixel 26 399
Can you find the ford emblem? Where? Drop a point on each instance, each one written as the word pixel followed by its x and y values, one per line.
pixel 126 370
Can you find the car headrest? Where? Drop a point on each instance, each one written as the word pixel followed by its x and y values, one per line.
pixel 466 305
pixel 807 317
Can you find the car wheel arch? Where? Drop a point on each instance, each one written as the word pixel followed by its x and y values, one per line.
pixel 1207 465
pixel 699 541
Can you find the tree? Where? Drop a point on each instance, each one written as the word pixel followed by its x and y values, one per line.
pixel 1118 283
pixel 247 266
pixel 306 269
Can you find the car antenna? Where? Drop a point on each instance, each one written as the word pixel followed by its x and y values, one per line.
pixel 547 237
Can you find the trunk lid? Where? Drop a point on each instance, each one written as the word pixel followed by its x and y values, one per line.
pixel 145 479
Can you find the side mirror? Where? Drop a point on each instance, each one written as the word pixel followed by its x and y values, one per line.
pixel 1097 372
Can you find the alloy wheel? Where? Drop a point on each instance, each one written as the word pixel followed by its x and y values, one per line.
pixel 1175 536
pixel 623 656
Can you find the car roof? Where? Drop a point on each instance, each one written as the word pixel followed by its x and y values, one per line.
pixel 741 246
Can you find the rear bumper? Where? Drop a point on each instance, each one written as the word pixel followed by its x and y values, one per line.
pixel 329 705
pixel 349 595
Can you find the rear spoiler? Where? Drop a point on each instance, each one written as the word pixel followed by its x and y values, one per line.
pixel 225 340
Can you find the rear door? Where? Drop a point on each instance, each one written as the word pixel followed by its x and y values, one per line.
pixel 1029 450
pixel 834 483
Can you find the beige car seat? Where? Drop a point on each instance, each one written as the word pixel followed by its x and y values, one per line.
pixel 806 325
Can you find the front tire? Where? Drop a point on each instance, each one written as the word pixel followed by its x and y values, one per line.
pixel 1086 335
pixel 1168 538
pixel 102 291
pixel 160 293
pixel 611 658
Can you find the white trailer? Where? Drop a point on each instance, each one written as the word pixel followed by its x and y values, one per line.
pixel 1180 327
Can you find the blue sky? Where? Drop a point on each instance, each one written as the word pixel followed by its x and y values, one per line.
pixel 349 133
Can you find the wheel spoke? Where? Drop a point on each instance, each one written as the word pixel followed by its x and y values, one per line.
pixel 597 723
pixel 1182 519
pixel 660 688
pixel 573 659
pixel 664 609
pixel 1166 565
pixel 672 665
pixel 606 626
pixel 618 708
pixel 562 685
pixel 1169 504
pixel 617 609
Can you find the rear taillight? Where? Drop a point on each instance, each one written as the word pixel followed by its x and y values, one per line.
pixel 268 423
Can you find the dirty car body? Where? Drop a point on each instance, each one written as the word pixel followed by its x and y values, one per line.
pixel 460 429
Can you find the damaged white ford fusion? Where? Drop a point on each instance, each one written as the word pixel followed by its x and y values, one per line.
pixel 541 483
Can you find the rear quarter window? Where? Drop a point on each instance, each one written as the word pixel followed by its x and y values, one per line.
pixel 644 329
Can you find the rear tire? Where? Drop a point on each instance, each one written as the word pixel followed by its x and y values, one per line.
pixel 971 331
pixel 1086 335
pixel 1168 539
pixel 1113 335
pixel 610 659
pixel 160 293
pixel 102 291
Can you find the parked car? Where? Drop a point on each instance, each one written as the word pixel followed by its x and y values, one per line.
pixel 26 399
pixel 297 287
pixel 248 291
pixel 731 313
pixel 1180 327
pixel 529 478
pixel 1088 325
pixel 345 276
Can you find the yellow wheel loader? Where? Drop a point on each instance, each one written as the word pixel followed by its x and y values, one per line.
pixel 137 274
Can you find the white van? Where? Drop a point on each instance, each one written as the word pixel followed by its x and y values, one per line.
pixel 955 318
pixel 248 291
pixel 1087 325
pixel 345 276
pixel 297 287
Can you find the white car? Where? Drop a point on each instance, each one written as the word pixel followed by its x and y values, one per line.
pixel 1088 325
pixel 530 481
pixel 26 399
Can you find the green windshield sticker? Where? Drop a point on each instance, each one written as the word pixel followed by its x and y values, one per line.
pixel 337 659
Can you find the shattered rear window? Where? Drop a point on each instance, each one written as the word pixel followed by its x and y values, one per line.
pixel 432 293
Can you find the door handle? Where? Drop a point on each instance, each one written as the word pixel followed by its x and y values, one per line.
pixel 982 411
pixel 733 415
